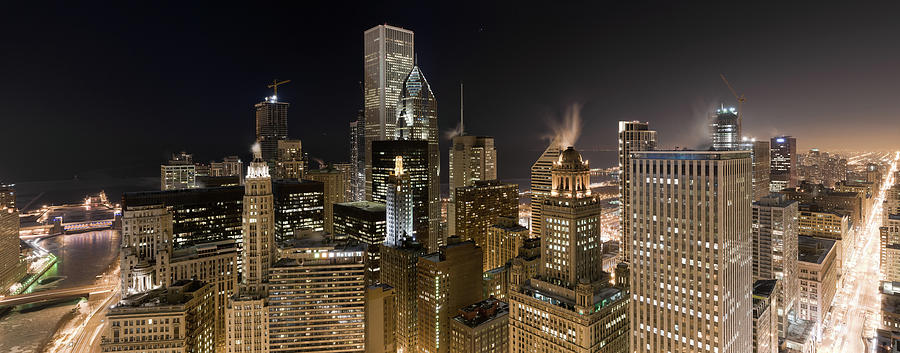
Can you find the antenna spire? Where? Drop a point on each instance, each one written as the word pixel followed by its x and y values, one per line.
pixel 462 130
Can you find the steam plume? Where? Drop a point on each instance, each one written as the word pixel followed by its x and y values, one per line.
pixel 567 131
pixel 257 150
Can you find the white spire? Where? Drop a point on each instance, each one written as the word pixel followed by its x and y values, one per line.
pixel 462 130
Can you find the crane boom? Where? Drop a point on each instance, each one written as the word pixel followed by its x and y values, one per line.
pixel 275 84
pixel 740 98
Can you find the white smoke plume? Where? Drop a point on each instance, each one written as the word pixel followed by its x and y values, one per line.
pixel 321 163
pixel 257 150
pixel 451 133
pixel 567 131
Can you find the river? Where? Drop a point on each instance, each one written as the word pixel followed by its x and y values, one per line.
pixel 81 257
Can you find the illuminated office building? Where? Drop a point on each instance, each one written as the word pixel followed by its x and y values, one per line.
pixel 503 240
pixel 541 185
pixel 388 57
pixel 471 158
pixel 482 327
pixel 179 173
pixel 298 206
pixel 289 161
pixel 480 205
pixel 258 251
pixel 399 270
pixel 198 215
pixel 775 230
pixel 784 163
pixel 415 164
pixel 761 170
pixel 12 266
pixel 358 157
pixel 335 190
pixel 818 276
pixel 229 166
pixel 363 222
pixel 726 130
pixel 381 317
pixel 691 266
pixel 271 126
pixel 765 330
pixel 633 136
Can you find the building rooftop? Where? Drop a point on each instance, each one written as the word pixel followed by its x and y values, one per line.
pixel 764 288
pixel 179 292
pixel 368 206
pixel 195 251
pixel 813 250
pixel 690 155
pixel 481 312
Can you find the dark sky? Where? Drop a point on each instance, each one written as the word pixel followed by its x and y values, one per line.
pixel 101 90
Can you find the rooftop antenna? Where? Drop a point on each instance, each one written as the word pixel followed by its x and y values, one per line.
pixel 462 131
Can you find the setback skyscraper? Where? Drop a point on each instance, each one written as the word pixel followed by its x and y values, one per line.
pixel 271 126
pixel 633 136
pixel 415 163
pixel 691 268
pixel 388 57
pixel 541 185
pixel 398 205
pixel 259 226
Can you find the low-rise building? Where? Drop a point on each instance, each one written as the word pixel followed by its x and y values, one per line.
pixel 818 279
pixel 482 327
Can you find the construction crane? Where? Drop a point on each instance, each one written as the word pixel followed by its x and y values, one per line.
pixel 740 98
pixel 276 83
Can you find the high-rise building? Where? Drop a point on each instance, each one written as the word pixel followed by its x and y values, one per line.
pixel 775 230
pixel 381 316
pixel 818 279
pixel 480 205
pixel 363 222
pixel 765 335
pixel 198 215
pixel 685 249
pixel 12 266
pixel 398 205
pixel 569 305
pixel 448 280
pixel 229 166
pixel 481 328
pixel 180 318
pixel 358 157
pixel 761 170
pixel 526 264
pixel 289 161
pixel 399 270
pixel 726 129
pixel 271 126
pixel 299 205
pixel 417 120
pixel 541 185
pixel 471 158
pixel 388 57
pixel 8 195
pixel 633 136
pixel 178 173
pixel 504 238
pixel 146 232
pixel 890 248
pixel 346 169
pixel 415 164
pixel 335 190
pixel 258 251
pixel 247 328
pixel 784 163
pixel 316 292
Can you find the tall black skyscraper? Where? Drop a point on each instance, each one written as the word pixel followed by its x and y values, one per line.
pixel 271 126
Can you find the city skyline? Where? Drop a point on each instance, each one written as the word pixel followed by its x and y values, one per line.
pixel 796 88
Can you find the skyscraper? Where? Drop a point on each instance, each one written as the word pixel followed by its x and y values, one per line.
pixel 335 190
pixel 541 185
pixel 259 226
pixel 570 305
pixel 271 126
pixel 289 161
pixel 775 230
pixel 691 268
pixel 417 120
pixel 415 163
pixel 761 168
pixel 358 157
pixel 784 163
pixel 726 130
pixel 12 268
pixel 388 57
pixel 633 136
pixel 398 270
pixel 471 158
pixel 481 205
pixel 448 280
pixel 504 238
pixel 298 205
pixel 398 205
pixel 179 173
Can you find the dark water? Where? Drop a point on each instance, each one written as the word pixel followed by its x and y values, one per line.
pixel 34 194
pixel 81 256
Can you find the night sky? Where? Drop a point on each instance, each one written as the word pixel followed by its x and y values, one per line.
pixel 113 91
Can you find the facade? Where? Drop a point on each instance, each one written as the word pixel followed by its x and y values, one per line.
pixel 829 225
pixel 7 195
pixel 774 232
pixel 258 250
pixel 335 190
pixel 502 243
pixel 178 173
pixel 381 317
pixel 415 163
pixel 399 205
pixel 818 279
pixel 784 163
pixel 399 270
pixel 12 266
pixel 471 158
pixel 633 136
pixel 890 248
pixel 146 232
pixel 448 280
pixel 481 328
pixel 495 283
pixel 765 330
pixel 316 296
pixel 289 161
pixel 541 184
pixel 569 305
pixel 229 166
pixel 417 121
pixel 358 157
pixel 481 205
pixel 526 264
pixel 726 129
pixel 271 126
pixel 388 57
pixel 198 215
pixel 363 222
pixel 247 325
pixel 761 168
pixel 179 318
pixel 673 232
pixel 298 206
